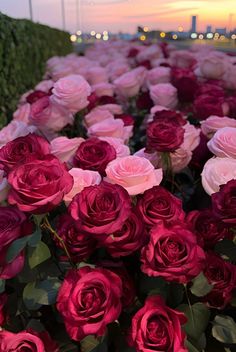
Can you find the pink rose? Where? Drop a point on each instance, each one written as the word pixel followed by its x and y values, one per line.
pixel 182 59
pixel 72 92
pixel 164 94
pixel 159 75
pixel 180 158
pixel 82 178
pixel 44 86
pixel 96 116
pixel 102 89
pixel 97 75
pixel 4 187
pixel 120 148
pixel 108 128
pixel 22 113
pixel 216 172
pixel 64 148
pixel 117 69
pixel 13 130
pixel 154 158
pixel 151 52
pixel 133 173
pixel 191 137
pixel 127 85
pixel 223 143
pixel 114 109
pixel 230 77
pixel 214 123
pixel 213 66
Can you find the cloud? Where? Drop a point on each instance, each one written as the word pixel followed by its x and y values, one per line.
pixel 163 13
pixel 103 2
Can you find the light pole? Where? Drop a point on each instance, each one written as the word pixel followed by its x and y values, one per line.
pixel 63 14
pixel 31 10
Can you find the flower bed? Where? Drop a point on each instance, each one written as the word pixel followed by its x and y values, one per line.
pixel 118 186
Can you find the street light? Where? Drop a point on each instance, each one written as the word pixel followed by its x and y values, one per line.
pixel 31 10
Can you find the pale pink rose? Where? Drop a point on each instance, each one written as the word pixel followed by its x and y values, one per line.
pixel 150 53
pixel 60 71
pixel 102 89
pixel 164 94
pixel 118 143
pixel 213 66
pixel 97 75
pixel 159 75
pixel 117 69
pixel 158 62
pixel 14 130
pixel 114 109
pixel 182 59
pixel 44 86
pixel 24 97
pixel 108 128
pixel 134 173
pixel 127 85
pixel 82 179
pixel 4 187
pixel 46 114
pixel 214 123
pixel 141 73
pixel 72 92
pixel 128 133
pixel 191 137
pixel 154 158
pixel 230 77
pixel 64 148
pixel 97 115
pixel 180 159
pixel 223 143
pixel 22 113
pixel 216 172
pixel 53 61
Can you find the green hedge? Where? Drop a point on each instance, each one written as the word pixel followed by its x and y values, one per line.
pixel 24 48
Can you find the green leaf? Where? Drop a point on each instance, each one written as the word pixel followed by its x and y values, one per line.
pixel 35 238
pixel 16 247
pixel 190 347
pixel 198 317
pixel 92 344
pixel 2 285
pixel 200 286
pixel 31 295
pixel 39 255
pixel 227 249
pixel 224 329
pixel 152 286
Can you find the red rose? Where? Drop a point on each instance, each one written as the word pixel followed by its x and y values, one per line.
pixel 158 204
pixel 94 154
pixel 18 150
pixel 206 105
pixel 101 209
pixel 231 101
pixel 144 101
pixel 172 253
pixel 201 154
pixel 167 116
pixel 210 89
pixel 127 119
pixel 186 83
pixel 28 340
pixel 12 226
pixel 3 301
pixel 128 239
pixel 79 244
pixel 224 203
pixel 207 227
pixel 88 300
pixel 36 95
pixel 133 52
pixel 156 327
pixel 38 186
pixel 222 275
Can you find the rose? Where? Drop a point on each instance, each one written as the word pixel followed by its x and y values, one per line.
pixel 44 86
pixel 180 158
pixel 186 83
pixel 3 301
pixel 207 105
pixel 96 75
pixel 34 96
pixel 172 253
pixel 97 115
pixel 213 66
pixel 158 204
pixel 94 154
pixel 80 245
pixel 207 227
pixel 18 150
pixel 166 115
pixel 224 203
pixel 164 94
pixel 134 173
pixel 223 143
pixel 13 130
pixel 128 239
pixel 201 154
pixel 12 226
pixel 22 113
pixel 101 209
pixel 82 178
pixel 210 88
pixel 64 148
pixel 108 128
pixel 88 300
pixel 144 101
pixel 156 327
pixel 120 148
pixel 117 69
pixel 150 52
pixel 4 187
pixel 222 275
pixel 158 75
pixel 103 89
pixel 182 59
pixel 214 123
pixel 127 119
pixel 72 92
pixel 154 158
pixel 191 137
pixel 216 172
pixel 39 185
pixel 127 85
pixel 231 101
pixel 229 77
pixel 28 340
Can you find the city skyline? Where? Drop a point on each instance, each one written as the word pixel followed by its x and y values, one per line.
pixel 117 15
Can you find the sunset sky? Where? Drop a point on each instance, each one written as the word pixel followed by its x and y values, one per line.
pixel 125 15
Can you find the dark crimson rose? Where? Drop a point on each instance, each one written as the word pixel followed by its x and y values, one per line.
pixel 127 119
pixel 164 136
pixel 165 49
pixel 128 239
pixel 172 253
pixel 28 341
pixel 144 101
pixel 145 63
pixel 206 105
pixel 170 116
pixel 93 101
pixel 231 101
pixel 207 227
pixel 224 203
pixel 106 99
pixel 88 300
pixel 3 301
pixel 133 52
pixel 222 275
pixel 13 224
pixel 211 89
pixel 101 209
pixel 18 150
pixel 39 185
pixel 157 204
pixel 186 83
pixel 201 154
pixel 36 95
pixel 156 327
pixel 80 245
pixel 94 154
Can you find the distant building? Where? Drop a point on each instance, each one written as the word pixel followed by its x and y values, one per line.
pixel 208 29
pixel 194 24
pixel 221 31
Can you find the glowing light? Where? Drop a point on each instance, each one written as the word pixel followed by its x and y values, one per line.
pixel 79 40
pixel 73 38
pixel 105 33
pixel 105 37
pixel 201 36
pixel 142 37
pixel 217 35
pixel 233 36
pixel 180 29
pixel 175 36
pixel 98 36
pixel 209 35
pixel 222 37
pixel 162 34
pixel 145 29
pixel 79 32
pixel 92 33
pixel 193 35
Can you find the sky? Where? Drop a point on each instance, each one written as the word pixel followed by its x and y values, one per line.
pixel 126 15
